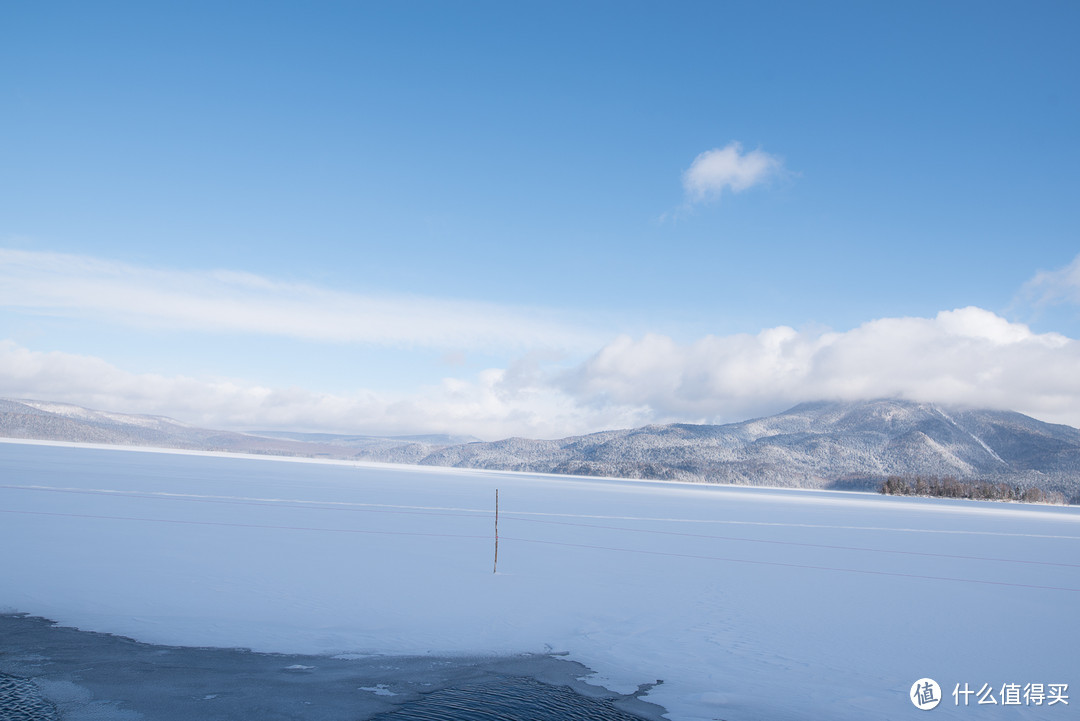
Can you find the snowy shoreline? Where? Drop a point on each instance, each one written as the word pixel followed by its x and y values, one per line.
pixel 950 505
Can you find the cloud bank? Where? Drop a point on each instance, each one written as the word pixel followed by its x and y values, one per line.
pixel 494 404
pixel 967 356
pixel 231 302
pixel 728 168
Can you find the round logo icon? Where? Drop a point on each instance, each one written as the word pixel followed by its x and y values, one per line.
pixel 925 694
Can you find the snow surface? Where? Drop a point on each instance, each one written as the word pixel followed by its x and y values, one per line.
pixel 748 603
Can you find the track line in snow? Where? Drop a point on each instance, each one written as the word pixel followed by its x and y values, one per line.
pixel 243 525
pixel 796 525
pixel 546 542
pixel 254 501
pixel 794 565
pixel 331 505
pixel 798 543
pixel 518 517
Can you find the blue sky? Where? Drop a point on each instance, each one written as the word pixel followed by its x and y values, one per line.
pixel 537 218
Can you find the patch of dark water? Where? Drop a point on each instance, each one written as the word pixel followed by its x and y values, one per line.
pixel 509 698
pixel 50 672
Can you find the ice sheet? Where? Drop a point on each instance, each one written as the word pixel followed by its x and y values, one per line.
pixel 747 603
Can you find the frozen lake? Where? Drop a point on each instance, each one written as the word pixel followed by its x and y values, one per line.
pixel 747 603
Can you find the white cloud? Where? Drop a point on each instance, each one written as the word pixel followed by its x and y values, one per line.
pixel 1051 287
pixel 496 403
pixel 231 302
pixel 968 356
pixel 728 168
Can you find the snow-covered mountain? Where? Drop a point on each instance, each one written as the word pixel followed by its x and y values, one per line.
pixel 815 445
pixel 825 444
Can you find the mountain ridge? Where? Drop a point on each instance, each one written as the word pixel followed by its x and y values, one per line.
pixel 820 444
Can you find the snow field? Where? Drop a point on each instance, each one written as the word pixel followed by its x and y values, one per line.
pixel 747 603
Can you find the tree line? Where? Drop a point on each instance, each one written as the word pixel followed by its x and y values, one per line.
pixel 952 487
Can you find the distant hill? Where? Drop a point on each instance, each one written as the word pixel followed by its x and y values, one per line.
pixel 42 420
pixel 814 445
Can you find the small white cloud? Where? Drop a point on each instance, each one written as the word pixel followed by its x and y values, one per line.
pixel 728 168
pixel 1053 287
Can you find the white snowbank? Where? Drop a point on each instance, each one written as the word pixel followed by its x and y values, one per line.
pixel 748 603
